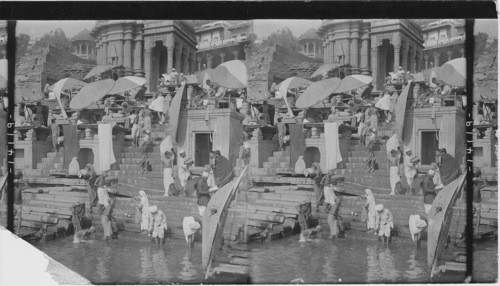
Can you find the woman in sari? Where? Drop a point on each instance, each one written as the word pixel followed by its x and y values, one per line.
pixel 107 219
pixel 370 210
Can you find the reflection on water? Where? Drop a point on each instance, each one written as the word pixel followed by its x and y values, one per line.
pixel 485 265
pixel 341 261
pixel 130 262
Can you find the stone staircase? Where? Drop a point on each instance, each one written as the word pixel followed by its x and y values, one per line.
pixel 51 163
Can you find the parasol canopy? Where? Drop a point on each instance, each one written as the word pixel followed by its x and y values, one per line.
pixel 317 92
pixel 453 72
pixel 127 83
pixel 231 74
pixel 292 82
pixel 324 69
pixel 352 82
pixel 91 93
pixel 26 95
pixel 99 70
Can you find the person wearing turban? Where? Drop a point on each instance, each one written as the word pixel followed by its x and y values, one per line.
pixel 384 222
pixel 157 224
pixel 409 166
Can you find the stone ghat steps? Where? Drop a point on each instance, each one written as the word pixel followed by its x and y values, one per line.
pixel 352 172
pixel 359 189
pixel 370 181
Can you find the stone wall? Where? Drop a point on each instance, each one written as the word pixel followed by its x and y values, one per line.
pixel 32 70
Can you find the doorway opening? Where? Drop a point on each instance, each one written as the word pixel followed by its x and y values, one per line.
pixel 85 156
pixel 311 155
pixel 203 146
pixel 430 143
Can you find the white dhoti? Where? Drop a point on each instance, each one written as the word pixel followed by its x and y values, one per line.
pixel 189 226
pixel 167 179
pixel 394 178
pixel 329 195
pixel 211 179
pixel 370 222
pixel 437 178
pixel 410 174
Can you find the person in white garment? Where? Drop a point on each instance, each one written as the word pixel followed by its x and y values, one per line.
pixel 190 226
pixel 183 168
pixel 167 172
pixel 410 169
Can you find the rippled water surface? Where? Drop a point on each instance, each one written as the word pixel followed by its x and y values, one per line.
pixel 357 261
pixel 128 261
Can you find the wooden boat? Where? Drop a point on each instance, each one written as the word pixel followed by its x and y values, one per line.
pixel 439 217
pixel 214 220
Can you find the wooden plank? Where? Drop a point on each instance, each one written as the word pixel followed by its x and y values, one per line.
pixel 229 268
pixel 56 211
pixel 41 218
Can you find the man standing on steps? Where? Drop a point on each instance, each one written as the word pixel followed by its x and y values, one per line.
pixel 393 170
pixel 410 169
pixel 183 168
pixel 203 193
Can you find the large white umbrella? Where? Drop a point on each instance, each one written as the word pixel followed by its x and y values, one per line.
pixel 453 72
pixel 91 93
pixel 317 92
pixel 352 82
pixel 64 84
pixel 324 69
pixel 127 83
pixel 291 83
pixel 231 74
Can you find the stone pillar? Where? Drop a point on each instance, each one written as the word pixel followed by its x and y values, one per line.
pixel 120 52
pixel 325 47
pixel 354 51
pixel 209 60
pixel 235 54
pixel 198 59
pixel 186 63
pixel 104 51
pixel 413 60
pixel 246 49
pixel 365 69
pixel 127 54
pixel 222 55
pixel 449 53
pixel 426 57
pixel 419 62
pixel 397 49
pixel 177 61
pixel 404 52
pixel 436 59
pixel 462 51
pixel 98 53
pixel 170 58
pixel 374 58
pixel 138 56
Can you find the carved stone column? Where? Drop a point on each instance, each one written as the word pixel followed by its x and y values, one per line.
pixel 198 60
pixel 413 59
pixel 170 58
pixel 462 51
pixel 397 49
pixel 404 55
pixel 365 42
pixel 436 59
pixel 209 60
pixel 246 49
pixel 354 51
pixel 222 55
pixel 185 64
pixel 120 52
pixel 374 59
pixel 104 50
pixel 426 57
pixel 178 53
pixel 127 53
pixel 138 57
pixel 419 62
pixel 235 54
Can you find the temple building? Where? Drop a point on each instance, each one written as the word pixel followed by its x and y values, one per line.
pixel 84 45
pixel 222 41
pixel 444 40
pixel 146 48
pixel 311 44
pixel 374 47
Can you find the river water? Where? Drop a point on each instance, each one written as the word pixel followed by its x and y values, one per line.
pixel 129 261
pixel 126 261
pixel 356 261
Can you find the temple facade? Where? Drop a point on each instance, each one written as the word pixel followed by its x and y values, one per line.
pixel 311 44
pixel 374 47
pixel 84 45
pixel 444 40
pixel 146 48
